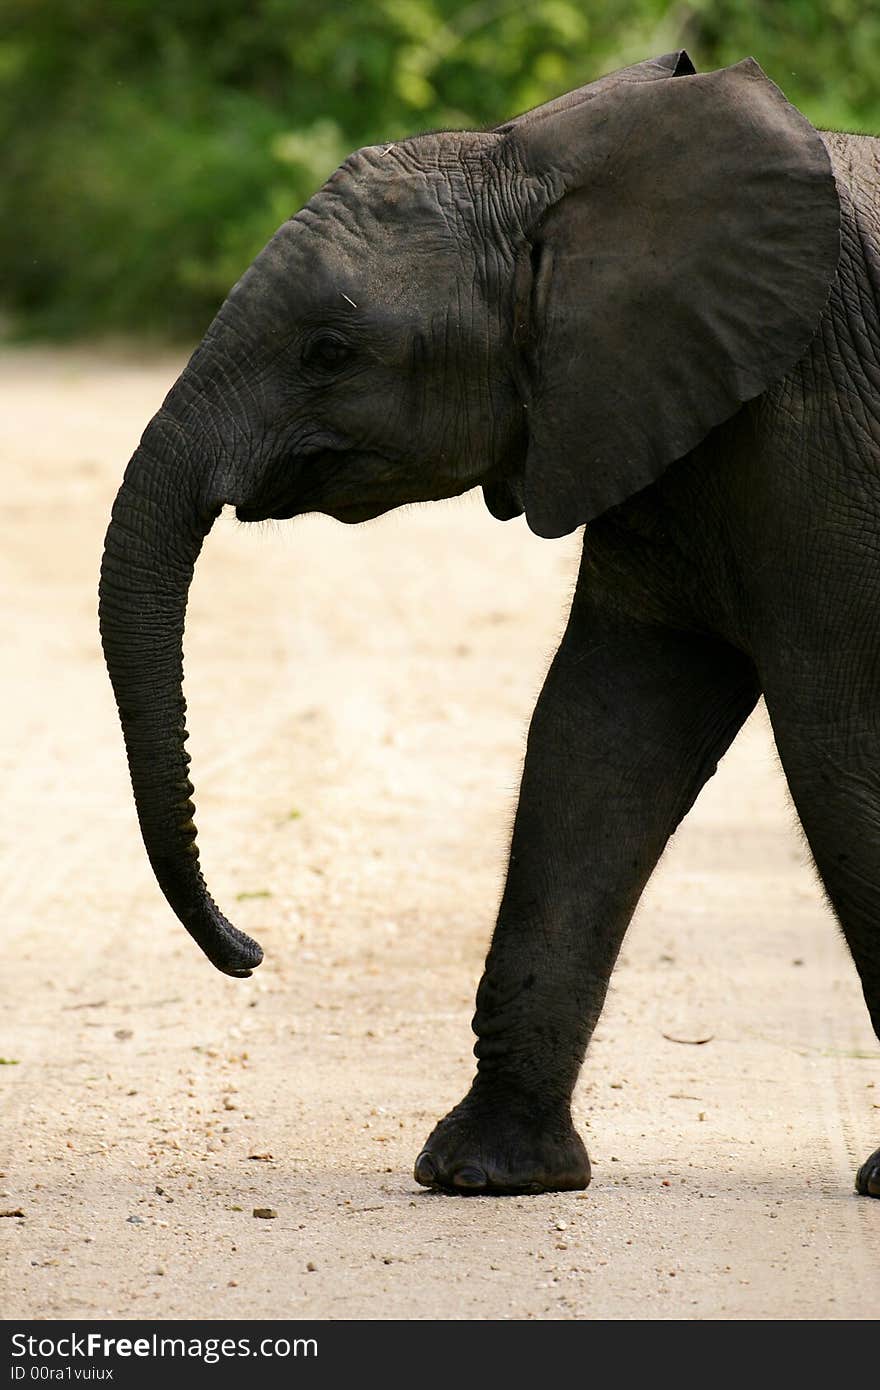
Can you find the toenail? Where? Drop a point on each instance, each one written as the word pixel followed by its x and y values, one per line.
pixel 425 1170
pixel 470 1179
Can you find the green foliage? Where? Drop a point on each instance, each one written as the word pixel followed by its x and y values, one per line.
pixel 151 147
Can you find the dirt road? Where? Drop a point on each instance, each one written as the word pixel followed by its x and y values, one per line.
pixel 358 704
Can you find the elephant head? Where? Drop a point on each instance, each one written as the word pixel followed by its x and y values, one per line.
pixel 555 310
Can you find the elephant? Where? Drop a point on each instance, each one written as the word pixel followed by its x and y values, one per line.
pixel 649 308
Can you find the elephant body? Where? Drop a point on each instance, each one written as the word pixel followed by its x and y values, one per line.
pixel 683 355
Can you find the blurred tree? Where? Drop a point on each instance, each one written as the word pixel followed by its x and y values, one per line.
pixel 152 146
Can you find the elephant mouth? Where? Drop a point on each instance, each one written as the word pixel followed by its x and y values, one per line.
pixel 332 472
pixel 351 515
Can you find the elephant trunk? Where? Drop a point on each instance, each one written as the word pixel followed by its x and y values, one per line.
pixel 159 521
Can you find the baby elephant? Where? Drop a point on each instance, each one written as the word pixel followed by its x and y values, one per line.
pixel 651 306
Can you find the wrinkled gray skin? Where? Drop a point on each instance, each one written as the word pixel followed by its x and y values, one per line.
pixel 650 307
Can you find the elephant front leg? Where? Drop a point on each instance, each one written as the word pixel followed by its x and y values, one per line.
pixel 631 722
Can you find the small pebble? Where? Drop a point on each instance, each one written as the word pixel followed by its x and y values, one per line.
pixel 561 1225
pixel 311 1266
pixel 265 1213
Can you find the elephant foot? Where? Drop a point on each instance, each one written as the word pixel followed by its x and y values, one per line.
pixel 868 1176
pixel 485 1148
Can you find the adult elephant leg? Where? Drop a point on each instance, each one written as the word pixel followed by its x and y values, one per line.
pixel 630 724
pixel 825 712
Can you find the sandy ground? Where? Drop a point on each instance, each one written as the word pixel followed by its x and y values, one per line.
pixel 358 706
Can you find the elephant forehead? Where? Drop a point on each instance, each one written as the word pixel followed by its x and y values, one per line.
pixel 423 188
pixel 392 228
pixel 360 216
pixel 373 235
pixel 309 269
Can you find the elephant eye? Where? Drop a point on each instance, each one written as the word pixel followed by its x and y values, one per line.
pixel 327 352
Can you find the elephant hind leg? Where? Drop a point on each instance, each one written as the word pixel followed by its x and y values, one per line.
pixel 826 722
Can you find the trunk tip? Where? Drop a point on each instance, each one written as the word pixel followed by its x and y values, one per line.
pixel 233 953
pixel 230 950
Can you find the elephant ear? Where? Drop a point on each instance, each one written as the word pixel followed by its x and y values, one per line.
pixel 682 239
pixel 670 65
pixel 503 499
